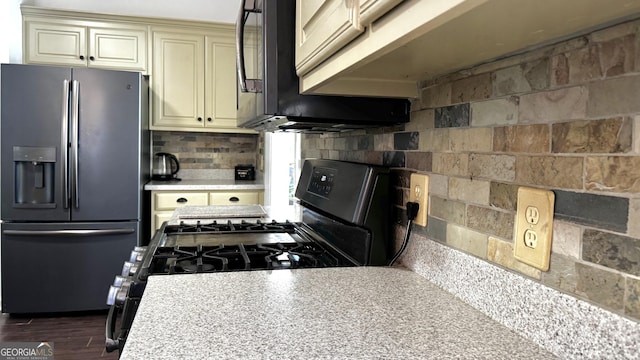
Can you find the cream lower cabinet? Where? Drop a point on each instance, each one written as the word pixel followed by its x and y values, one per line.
pixel 163 203
pixel 194 83
pixel 100 45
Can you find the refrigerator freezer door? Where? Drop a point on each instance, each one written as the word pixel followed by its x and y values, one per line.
pixel 64 267
pixel 108 144
pixel 33 107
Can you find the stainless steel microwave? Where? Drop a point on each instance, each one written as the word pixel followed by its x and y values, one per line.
pixel 268 96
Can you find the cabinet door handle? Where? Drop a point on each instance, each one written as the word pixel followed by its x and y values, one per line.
pixel 81 57
pixel 234 199
pixel 91 58
pixel 199 119
pixel 209 119
pixel 182 200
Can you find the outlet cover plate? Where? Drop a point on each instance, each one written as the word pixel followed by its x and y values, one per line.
pixel 534 227
pixel 419 192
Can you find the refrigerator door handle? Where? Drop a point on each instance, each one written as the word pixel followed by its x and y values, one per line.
pixel 65 144
pixel 74 143
pixel 89 232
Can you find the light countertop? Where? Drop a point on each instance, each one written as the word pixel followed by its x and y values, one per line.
pixel 205 185
pixel 331 313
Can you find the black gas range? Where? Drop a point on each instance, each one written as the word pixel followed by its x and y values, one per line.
pixel 345 222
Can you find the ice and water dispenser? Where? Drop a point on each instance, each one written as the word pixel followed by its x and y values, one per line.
pixel 34 171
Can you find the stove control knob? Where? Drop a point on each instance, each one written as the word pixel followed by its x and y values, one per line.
pixel 134 268
pixel 117 281
pixel 123 291
pixel 111 296
pixel 136 255
pixel 126 268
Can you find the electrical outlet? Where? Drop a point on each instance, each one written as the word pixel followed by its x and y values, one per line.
pixel 419 192
pixel 534 227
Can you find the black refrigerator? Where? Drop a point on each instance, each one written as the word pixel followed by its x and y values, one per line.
pixel 75 158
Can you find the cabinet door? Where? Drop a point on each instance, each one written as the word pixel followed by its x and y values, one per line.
pixel 322 28
pixel 370 10
pixel 178 80
pixel 118 48
pixel 173 200
pixel 221 85
pixel 55 44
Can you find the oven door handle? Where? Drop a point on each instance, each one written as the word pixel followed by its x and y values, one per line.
pixel 111 344
pixel 246 85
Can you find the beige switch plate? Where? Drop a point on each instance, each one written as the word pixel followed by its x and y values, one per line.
pixel 419 192
pixel 534 227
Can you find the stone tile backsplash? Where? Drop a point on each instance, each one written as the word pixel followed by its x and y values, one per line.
pixel 200 151
pixel 565 118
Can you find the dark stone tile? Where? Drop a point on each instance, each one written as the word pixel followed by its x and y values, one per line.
pixel 421 161
pixel 393 158
pixel 452 116
pixel 365 142
pixel 600 286
pixel 436 229
pixel 601 211
pixel 406 140
pixel 400 178
pixel 613 251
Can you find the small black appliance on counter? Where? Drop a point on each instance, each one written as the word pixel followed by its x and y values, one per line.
pixel 245 172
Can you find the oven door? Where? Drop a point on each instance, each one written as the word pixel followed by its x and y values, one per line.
pixel 250 62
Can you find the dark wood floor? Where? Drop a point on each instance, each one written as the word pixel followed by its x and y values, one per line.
pixel 77 336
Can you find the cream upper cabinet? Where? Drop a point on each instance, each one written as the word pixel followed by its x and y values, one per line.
pixel 323 27
pixel 178 81
pixel 221 84
pixel 371 10
pixel 100 45
pixel 122 48
pixel 194 83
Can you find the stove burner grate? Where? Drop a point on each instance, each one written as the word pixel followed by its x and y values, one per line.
pixel 202 259
pixel 229 227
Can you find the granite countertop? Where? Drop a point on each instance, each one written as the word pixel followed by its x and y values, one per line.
pixel 331 313
pixel 205 185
